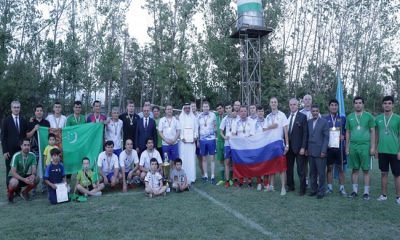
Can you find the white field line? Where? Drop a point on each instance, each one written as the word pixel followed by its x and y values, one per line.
pixel 238 215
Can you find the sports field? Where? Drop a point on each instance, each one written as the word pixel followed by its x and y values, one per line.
pixel 206 212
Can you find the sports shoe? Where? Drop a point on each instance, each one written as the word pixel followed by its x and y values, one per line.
pixel 98 194
pixel 398 200
pixel 382 198
pixel 230 182
pixel 259 187
pixel 150 195
pixel 227 184
pixel 136 180
pixel 205 179
pixel 25 196
pixel 249 185
pixel 283 192
pixel 366 196
pixel 213 182
pixel 353 195
pixel 343 193
pixel 220 182
pixel 329 191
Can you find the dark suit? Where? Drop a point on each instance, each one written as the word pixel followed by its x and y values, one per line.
pixel 11 137
pixel 129 126
pixel 297 140
pixel 318 138
pixel 142 133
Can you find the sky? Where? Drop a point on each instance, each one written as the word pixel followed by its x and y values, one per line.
pixel 138 21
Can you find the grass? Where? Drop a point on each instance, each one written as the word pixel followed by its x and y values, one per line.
pixel 190 215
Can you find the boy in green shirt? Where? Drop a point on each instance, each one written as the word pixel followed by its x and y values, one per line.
pixel 388 152
pixel 23 172
pixel 85 182
pixel 360 144
pixel 219 115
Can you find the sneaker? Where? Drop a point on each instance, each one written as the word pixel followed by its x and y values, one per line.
pixel 249 185
pixel 25 196
pixel 271 188
pixel 98 194
pixel 220 182
pixel 136 180
pixel 266 188
pixel 205 179
pixel 398 200
pixel 366 196
pixel 382 198
pixel 283 192
pixel 150 195
pixel 353 195
pixel 343 193
pixel 230 182
pixel 259 187
pixel 329 191
pixel 227 184
pixel 213 182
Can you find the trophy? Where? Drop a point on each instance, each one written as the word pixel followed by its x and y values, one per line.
pixel 166 170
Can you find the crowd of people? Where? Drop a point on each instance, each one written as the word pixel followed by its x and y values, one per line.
pixel 137 146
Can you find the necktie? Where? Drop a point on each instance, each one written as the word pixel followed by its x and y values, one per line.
pixel 291 122
pixel 16 124
pixel 145 123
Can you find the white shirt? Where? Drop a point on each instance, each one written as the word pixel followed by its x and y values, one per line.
pixel 278 118
pixel 144 121
pixel 307 112
pixel 16 121
pixel 127 161
pixel 168 127
pixel 207 125
pixel 147 156
pixel 153 179
pixel 244 128
pixel 114 133
pixel 106 163
pixel 259 125
pixel 227 126
pixel 57 122
pixel 290 117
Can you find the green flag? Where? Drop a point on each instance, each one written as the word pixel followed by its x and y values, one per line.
pixel 76 142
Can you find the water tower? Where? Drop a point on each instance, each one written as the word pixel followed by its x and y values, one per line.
pixel 250 29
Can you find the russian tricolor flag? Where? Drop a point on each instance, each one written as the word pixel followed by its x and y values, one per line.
pixel 258 155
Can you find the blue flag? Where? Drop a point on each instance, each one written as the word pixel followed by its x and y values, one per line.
pixel 339 96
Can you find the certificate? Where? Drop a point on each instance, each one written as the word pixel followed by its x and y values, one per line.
pixel 334 138
pixel 62 192
pixel 188 135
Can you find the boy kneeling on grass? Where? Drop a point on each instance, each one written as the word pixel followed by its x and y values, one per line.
pixel 153 181
pixel 178 177
pixel 54 175
pixel 84 181
pixel 108 165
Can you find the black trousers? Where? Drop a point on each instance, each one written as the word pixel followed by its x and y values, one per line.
pixel 300 162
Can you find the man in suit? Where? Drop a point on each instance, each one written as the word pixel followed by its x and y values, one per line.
pixel 145 129
pixel 129 120
pixel 297 146
pixel 318 138
pixel 13 130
